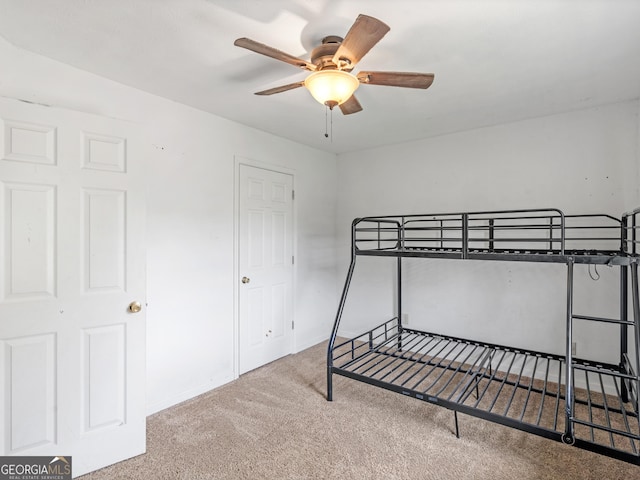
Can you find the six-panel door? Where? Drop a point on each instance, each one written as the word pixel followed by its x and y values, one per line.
pixel 72 257
pixel 266 266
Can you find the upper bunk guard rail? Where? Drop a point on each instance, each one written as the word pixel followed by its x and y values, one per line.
pixel 529 233
pixel 629 232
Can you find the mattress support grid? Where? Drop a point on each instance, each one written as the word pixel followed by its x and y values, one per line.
pixel 489 385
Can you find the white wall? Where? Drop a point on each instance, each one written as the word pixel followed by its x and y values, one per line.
pixel 190 173
pixel 581 162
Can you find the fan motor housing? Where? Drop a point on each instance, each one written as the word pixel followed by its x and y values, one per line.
pixel 322 55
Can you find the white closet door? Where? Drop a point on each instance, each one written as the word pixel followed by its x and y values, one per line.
pixel 266 266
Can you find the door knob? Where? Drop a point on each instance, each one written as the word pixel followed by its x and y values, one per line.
pixel 135 307
pixel 246 279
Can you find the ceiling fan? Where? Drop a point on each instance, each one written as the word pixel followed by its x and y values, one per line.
pixel 331 81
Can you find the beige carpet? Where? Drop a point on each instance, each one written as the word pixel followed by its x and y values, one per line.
pixel 275 423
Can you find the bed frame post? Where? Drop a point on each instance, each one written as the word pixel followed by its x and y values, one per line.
pixel 399 274
pixel 636 327
pixel 399 293
pixel 465 235
pixel 399 282
pixel 399 301
pixel 455 419
pixel 400 247
pixel 568 436
pixel 336 323
pixel 624 329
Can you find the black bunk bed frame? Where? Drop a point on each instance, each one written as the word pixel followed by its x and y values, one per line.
pixel 528 390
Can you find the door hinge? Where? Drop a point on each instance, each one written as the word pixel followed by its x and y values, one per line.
pixel 293 260
pixel 293 325
pixel 293 194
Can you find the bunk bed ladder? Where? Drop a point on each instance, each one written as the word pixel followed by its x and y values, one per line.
pixel 625 376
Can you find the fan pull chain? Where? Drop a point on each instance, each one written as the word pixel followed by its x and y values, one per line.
pixel 326 123
pixel 326 134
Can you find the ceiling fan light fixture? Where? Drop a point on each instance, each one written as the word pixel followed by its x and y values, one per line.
pixel 331 87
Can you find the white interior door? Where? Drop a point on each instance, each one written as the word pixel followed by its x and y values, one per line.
pixel 72 259
pixel 266 266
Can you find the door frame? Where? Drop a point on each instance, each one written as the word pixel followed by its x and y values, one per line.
pixel 238 161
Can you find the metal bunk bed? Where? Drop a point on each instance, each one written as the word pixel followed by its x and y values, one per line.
pixel 528 390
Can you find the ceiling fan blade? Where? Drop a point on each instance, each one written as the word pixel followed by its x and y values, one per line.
pixel 362 36
pixel 263 49
pixel 397 79
pixel 352 105
pixel 282 88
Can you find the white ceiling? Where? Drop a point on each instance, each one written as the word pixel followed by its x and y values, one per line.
pixel 494 61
